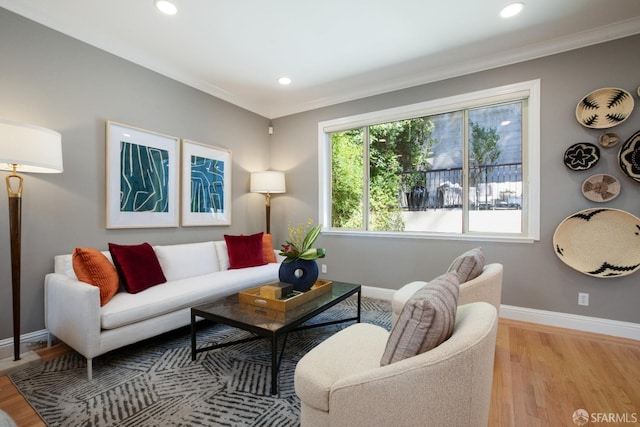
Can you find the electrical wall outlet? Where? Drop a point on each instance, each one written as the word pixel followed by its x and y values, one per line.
pixel 583 298
pixel 323 268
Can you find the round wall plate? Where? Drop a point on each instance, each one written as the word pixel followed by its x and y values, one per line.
pixel 604 108
pixel 629 157
pixel 581 156
pixel 599 242
pixel 601 188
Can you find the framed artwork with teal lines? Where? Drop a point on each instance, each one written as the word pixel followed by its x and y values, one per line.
pixel 142 178
pixel 206 185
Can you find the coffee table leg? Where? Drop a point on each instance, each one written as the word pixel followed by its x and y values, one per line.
pixel 193 337
pixel 274 364
pixel 359 301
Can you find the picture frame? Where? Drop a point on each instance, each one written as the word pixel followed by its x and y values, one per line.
pixel 142 177
pixel 206 185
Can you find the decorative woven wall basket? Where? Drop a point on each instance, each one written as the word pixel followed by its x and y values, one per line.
pixel 629 157
pixel 599 242
pixel 601 188
pixel 608 139
pixel 581 156
pixel 604 108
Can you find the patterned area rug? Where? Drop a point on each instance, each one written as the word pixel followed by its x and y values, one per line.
pixel 155 383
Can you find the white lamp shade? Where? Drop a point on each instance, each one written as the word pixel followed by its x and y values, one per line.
pixel 267 182
pixel 33 148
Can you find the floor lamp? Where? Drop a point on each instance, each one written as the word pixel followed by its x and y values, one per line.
pixel 268 182
pixel 24 148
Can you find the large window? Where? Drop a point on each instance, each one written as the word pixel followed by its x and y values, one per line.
pixel 465 166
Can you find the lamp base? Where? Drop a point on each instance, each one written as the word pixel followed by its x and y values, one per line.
pixel 9 365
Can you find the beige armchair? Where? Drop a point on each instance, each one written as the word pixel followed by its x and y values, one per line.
pixel 341 383
pixel 486 287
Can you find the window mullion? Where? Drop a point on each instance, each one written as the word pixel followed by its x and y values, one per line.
pixel 465 171
pixel 366 181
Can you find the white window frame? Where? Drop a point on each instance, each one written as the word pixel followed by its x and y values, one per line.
pixel 531 157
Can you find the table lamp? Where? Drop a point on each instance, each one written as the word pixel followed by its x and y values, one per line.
pixel 24 148
pixel 268 182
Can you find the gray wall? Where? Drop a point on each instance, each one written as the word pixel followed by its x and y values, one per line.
pixel 534 276
pixel 57 82
pixel 60 83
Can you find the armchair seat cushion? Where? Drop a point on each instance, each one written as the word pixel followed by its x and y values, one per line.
pixel 359 347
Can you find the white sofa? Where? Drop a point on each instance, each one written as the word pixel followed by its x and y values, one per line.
pixel 195 273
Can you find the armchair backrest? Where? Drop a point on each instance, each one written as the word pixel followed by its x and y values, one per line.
pixel 447 386
pixel 486 287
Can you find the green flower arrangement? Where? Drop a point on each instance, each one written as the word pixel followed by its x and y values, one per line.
pixel 300 241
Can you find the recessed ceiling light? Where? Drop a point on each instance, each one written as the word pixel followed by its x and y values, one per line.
pixel 511 10
pixel 166 7
pixel 284 81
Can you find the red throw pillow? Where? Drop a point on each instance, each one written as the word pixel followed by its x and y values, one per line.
pixel 267 248
pixel 137 265
pixel 245 251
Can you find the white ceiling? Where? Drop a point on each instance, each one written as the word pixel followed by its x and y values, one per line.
pixel 333 50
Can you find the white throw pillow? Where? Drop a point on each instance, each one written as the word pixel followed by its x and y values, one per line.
pixel 187 260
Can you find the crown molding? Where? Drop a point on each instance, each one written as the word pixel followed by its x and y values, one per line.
pixel 474 64
pixel 280 106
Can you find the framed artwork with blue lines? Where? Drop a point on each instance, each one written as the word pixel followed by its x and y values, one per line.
pixel 206 185
pixel 142 178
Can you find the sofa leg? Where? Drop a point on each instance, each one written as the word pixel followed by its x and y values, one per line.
pixel 89 369
pixel 49 339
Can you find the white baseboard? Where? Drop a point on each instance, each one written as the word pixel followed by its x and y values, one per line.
pixel 595 325
pixel 378 293
pixel 31 337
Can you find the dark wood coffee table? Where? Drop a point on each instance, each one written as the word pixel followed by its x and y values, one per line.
pixel 271 324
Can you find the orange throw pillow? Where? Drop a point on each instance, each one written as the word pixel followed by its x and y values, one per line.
pixel 267 248
pixel 91 266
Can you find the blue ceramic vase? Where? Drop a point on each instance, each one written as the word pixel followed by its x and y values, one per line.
pixel 301 273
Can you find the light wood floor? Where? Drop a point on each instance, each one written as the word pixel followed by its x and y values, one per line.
pixel 541 376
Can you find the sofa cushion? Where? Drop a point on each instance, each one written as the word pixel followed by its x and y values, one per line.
pixel 267 248
pixel 137 265
pixel 92 267
pixel 187 260
pixel 244 251
pixel 223 254
pixel 126 308
pixel 426 320
pixel 469 265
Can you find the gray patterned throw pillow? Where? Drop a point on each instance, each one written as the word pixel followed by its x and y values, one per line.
pixel 426 320
pixel 469 265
